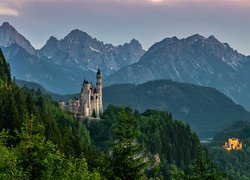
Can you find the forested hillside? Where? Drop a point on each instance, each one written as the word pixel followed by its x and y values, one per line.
pixel 39 141
pixel 207 110
pixel 235 163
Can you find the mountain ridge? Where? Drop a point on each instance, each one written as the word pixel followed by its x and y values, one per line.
pixel 9 35
pixel 195 59
pixel 75 57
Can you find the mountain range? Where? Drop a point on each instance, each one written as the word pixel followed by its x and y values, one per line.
pixel 197 60
pixel 61 64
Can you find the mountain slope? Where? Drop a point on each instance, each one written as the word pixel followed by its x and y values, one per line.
pixel 82 50
pixel 61 65
pixel 198 60
pixel 9 35
pixel 205 109
pixel 240 129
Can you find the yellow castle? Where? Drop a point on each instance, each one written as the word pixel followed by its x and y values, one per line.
pixel 233 144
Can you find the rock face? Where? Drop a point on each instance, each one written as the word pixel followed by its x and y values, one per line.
pixel 197 60
pixel 8 36
pixel 80 49
pixel 61 65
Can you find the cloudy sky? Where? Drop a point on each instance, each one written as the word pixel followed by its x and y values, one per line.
pixel 118 21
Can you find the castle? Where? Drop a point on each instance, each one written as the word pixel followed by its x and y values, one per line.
pixel 90 102
pixel 233 144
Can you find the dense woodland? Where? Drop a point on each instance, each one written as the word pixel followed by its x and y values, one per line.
pixel 39 141
pixel 235 163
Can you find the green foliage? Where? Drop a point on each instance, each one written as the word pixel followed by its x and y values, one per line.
pixel 204 168
pixel 5 77
pixel 205 109
pixel 236 164
pixel 35 157
pixel 8 159
pixel 13 109
pixel 43 142
pixel 127 156
pixel 172 141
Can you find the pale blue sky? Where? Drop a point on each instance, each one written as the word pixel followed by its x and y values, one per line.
pixel 118 21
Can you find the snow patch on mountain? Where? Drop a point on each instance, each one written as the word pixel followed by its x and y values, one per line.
pixel 95 50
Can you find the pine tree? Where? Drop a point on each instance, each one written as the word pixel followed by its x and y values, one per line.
pixel 203 168
pixel 128 159
pixel 5 76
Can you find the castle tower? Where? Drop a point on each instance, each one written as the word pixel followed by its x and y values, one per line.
pixel 99 92
pixel 61 105
pixel 85 103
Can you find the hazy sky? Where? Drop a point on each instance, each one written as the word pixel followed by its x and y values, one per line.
pixel 118 21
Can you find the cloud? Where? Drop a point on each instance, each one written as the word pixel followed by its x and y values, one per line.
pixel 6 11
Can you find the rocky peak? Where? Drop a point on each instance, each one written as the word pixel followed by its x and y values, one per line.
pixel 9 35
pixel 165 42
pixel 52 40
pixel 134 42
pixel 195 38
pixel 50 47
pixel 77 35
pixel 6 25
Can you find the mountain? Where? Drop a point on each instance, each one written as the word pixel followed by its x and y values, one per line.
pixel 61 65
pixel 205 109
pixel 80 49
pixel 30 85
pixel 9 36
pixel 197 60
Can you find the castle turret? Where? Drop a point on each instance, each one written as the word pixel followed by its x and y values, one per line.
pixel 99 91
pixel 61 105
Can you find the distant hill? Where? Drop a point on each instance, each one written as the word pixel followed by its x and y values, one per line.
pixel 30 85
pixel 36 86
pixel 239 129
pixel 195 59
pixel 61 64
pixel 207 110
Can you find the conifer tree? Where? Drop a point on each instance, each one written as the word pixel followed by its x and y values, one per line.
pixel 203 168
pixel 4 70
pixel 128 159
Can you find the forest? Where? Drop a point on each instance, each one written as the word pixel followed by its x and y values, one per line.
pixel 39 141
pixel 235 163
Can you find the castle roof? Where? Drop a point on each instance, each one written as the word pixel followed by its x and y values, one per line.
pixel 85 81
pixel 98 72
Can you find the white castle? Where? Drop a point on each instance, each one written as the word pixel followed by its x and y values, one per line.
pixel 90 103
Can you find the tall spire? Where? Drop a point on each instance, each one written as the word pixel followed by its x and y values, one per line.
pixel 98 72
